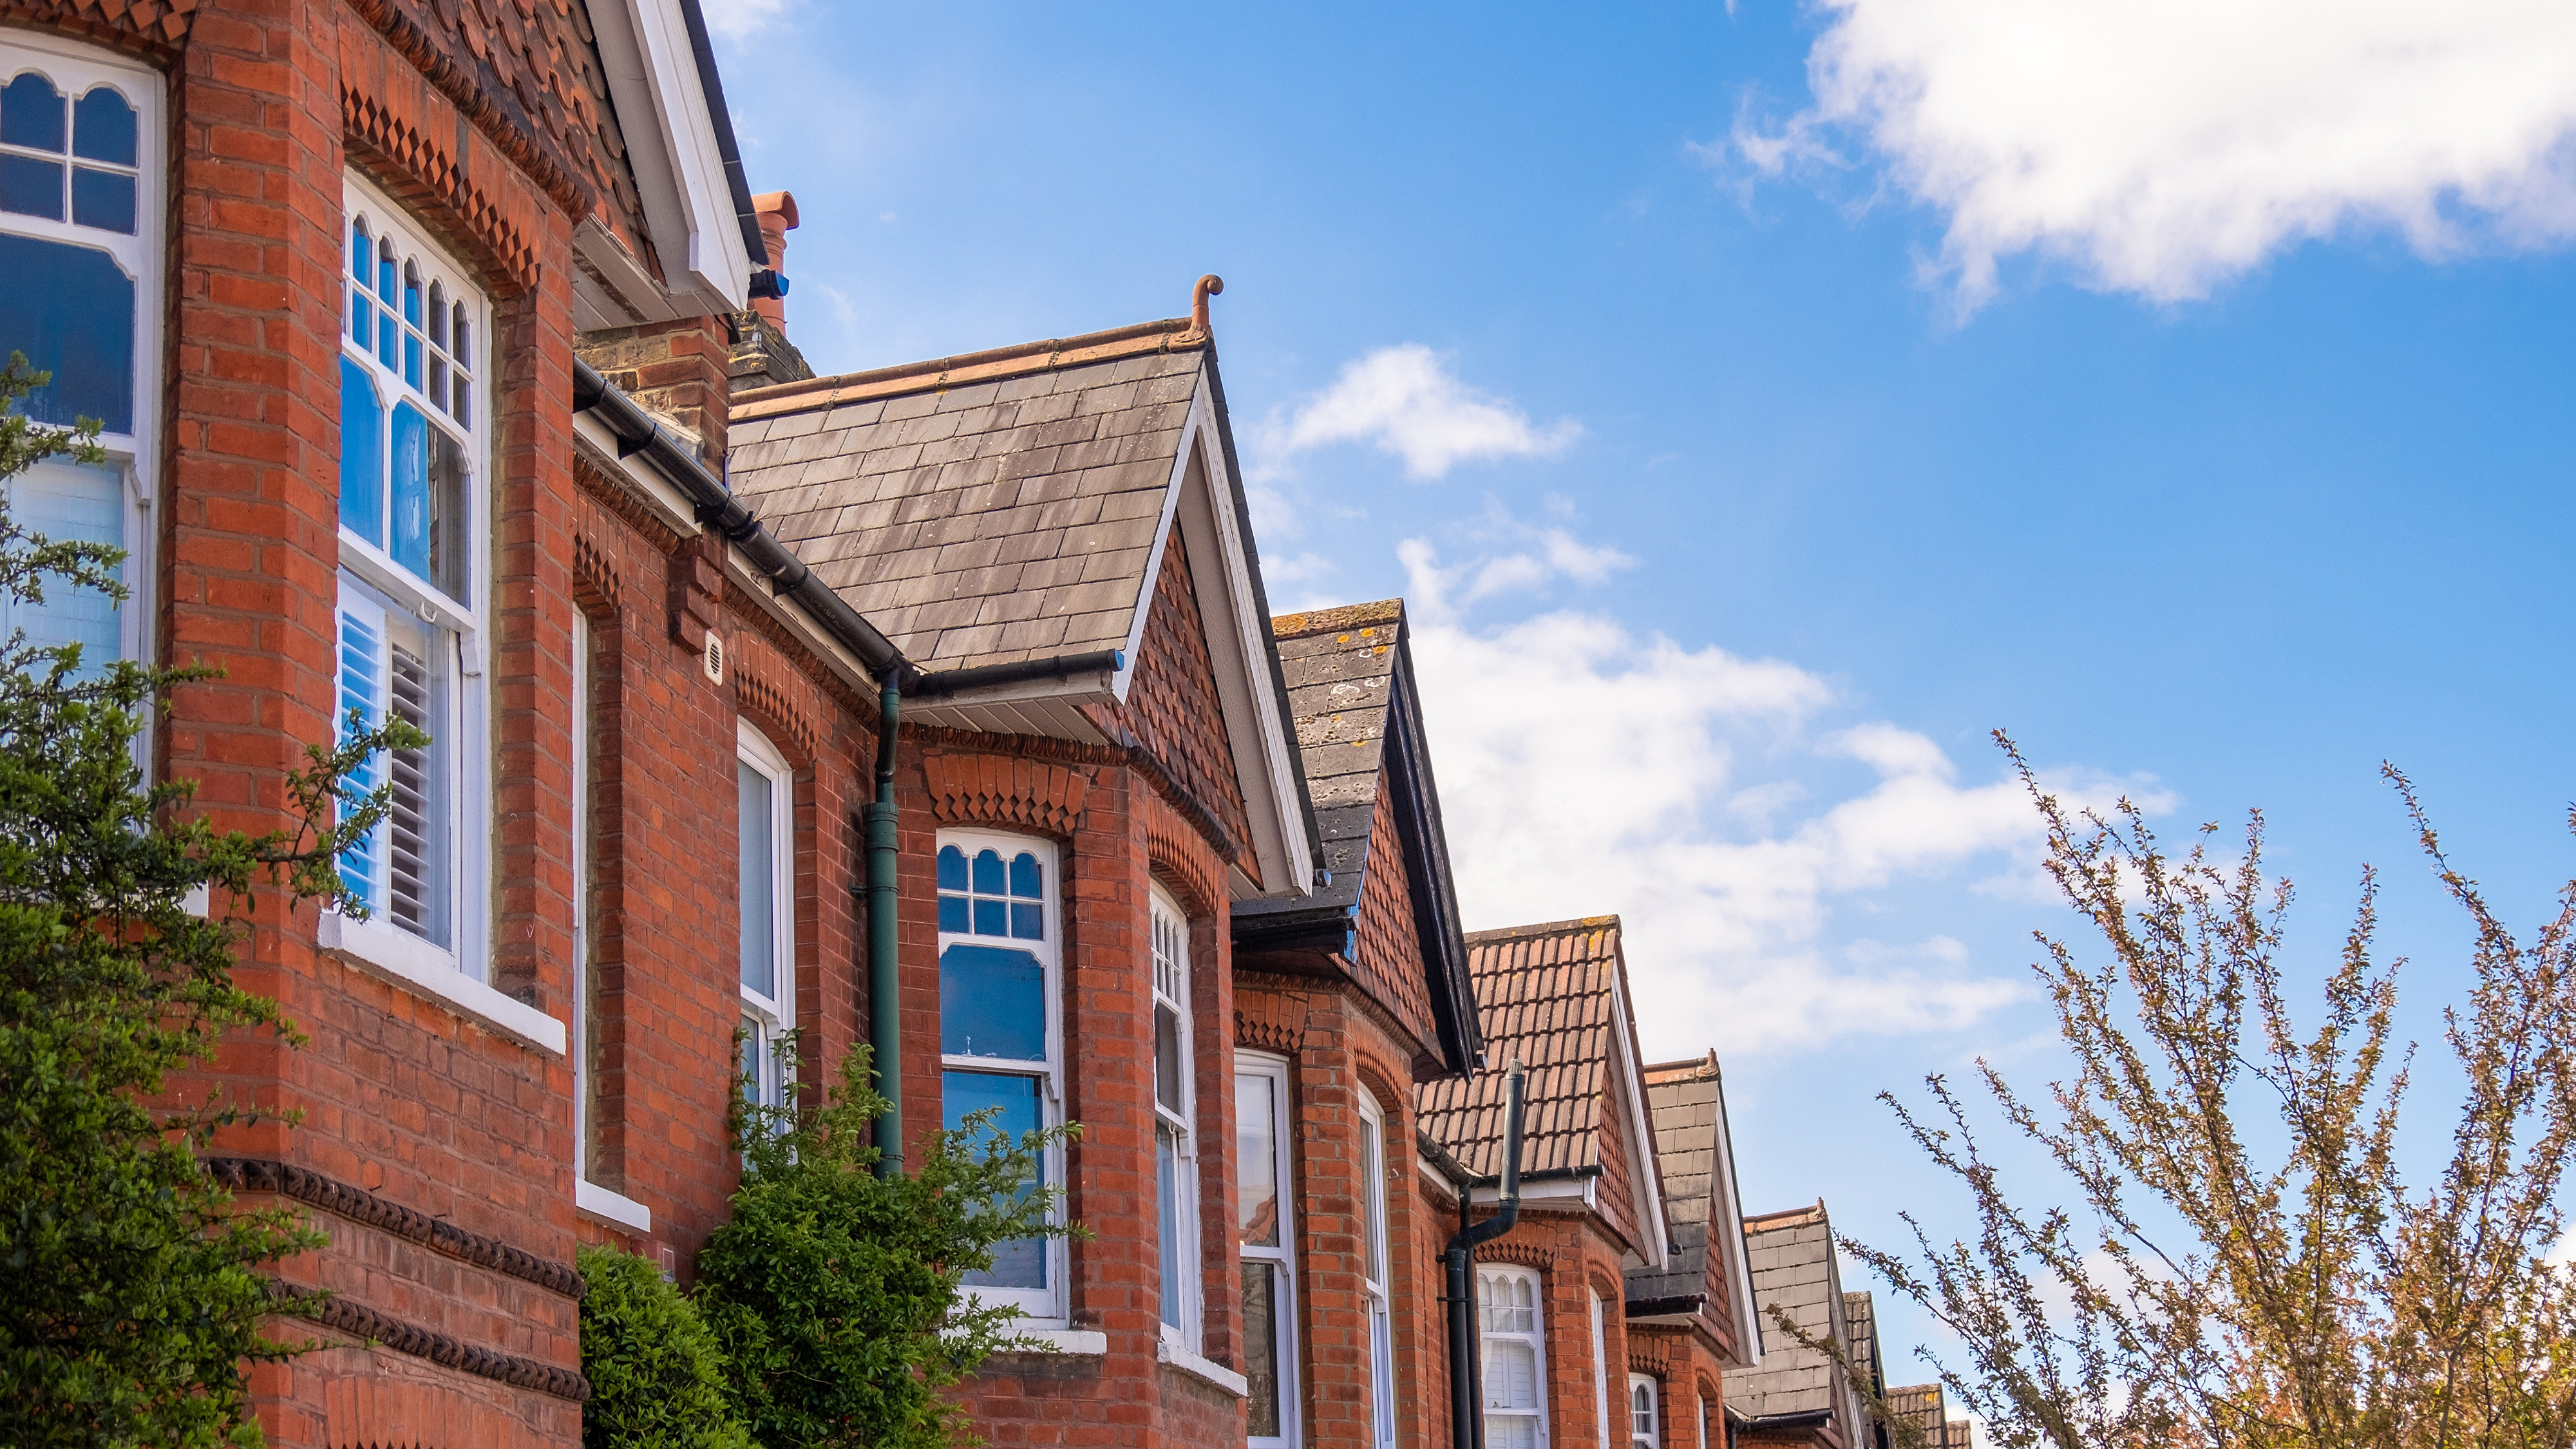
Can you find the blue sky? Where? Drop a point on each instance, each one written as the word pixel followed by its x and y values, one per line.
pixel 1758 405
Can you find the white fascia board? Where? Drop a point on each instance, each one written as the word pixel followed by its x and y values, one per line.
pixel 665 498
pixel 1238 640
pixel 1726 1220
pixel 671 144
pixel 1641 1139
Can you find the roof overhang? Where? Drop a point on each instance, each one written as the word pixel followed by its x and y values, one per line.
pixel 669 109
pixel 1726 1224
pixel 1644 1169
pixel 1205 502
pixel 1425 844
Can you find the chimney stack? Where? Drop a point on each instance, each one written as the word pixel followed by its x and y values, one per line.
pixel 777 218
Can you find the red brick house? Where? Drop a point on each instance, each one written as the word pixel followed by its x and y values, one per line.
pixel 1562 1363
pixel 1692 1320
pixel 1344 1000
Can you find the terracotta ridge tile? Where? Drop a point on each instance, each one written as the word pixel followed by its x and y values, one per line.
pixel 1339 617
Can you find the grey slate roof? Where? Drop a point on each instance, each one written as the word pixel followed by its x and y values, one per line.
pixel 1349 673
pixel 1683 1105
pixel 1795 1268
pixel 986 509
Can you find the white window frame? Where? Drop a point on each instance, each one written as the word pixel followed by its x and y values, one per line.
pixel 76 69
pixel 1283 1257
pixel 1374 1275
pixel 1701 1397
pixel 459 623
pixel 772 1016
pixel 589 1197
pixel 1488 1276
pixel 1040 1308
pixel 1169 932
pixel 1652 1435
pixel 1600 1367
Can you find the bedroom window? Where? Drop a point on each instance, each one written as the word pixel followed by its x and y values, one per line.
pixel 1512 1321
pixel 411 627
pixel 1644 1423
pixel 999 1028
pixel 1176 1172
pixel 80 241
pixel 1265 1245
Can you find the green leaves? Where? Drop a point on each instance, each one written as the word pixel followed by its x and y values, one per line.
pixel 836 1291
pixel 657 1376
pixel 133 1298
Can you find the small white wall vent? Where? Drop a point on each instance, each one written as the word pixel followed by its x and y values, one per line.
pixel 715 657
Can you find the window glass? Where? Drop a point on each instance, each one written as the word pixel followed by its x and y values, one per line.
pixel 758 888
pixel 1265 1240
pixel 1373 1281
pixel 1641 1413
pixel 69 502
pixel 991 897
pixel 1261 1355
pixel 1015 1099
pixel 992 1003
pixel 71 310
pixel 1514 1357
pixel 1256 1157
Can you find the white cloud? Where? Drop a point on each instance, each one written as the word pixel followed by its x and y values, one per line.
pixel 1585 769
pixel 2163 149
pixel 1403 400
pixel 740 20
pixel 1520 558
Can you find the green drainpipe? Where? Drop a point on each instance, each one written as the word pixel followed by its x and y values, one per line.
pixel 885 1005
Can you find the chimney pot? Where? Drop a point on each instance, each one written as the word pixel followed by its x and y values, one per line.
pixel 777 218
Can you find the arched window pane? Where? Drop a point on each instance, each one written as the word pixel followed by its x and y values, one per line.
pixel 411 293
pixel 988 872
pixel 362 489
pixel 1028 878
pixel 385 270
pixel 952 868
pixel 438 313
pixel 758 887
pixel 103 128
pixel 31 113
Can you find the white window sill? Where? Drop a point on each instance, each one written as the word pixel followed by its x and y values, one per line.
pixel 1088 1342
pixel 1166 1351
pixel 425 970
pixel 614 1208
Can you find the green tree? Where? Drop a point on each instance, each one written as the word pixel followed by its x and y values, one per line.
pixel 657 1376
pixel 2247 1267
pixel 129 1297
pixel 837 1293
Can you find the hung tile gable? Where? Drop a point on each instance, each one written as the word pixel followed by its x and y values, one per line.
pixel 1391 966
pixel 1173 712
pixel 1685 1102
pixel 1795 1270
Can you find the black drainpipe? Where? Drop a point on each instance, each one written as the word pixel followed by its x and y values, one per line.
pixel 885 1006
pixel 1466 1388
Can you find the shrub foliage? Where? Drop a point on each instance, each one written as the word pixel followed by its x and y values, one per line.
pixel 129 1304
pixel 657 1376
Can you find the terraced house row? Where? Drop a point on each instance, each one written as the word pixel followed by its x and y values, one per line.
pixel 444 373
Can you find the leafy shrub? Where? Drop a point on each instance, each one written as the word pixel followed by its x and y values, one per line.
pixel 836 1292
pixel 129 1293
pixel 657 1376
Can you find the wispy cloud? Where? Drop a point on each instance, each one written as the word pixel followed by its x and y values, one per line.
pixel 740 20
pixel 1586 767
pixel 1404 400
pixel 1510 557
pixel 2164 150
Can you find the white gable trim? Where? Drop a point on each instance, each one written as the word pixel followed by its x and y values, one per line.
pixel 1198 501
pixel 1726 1220
pixel 671 141
pixel 1641 1159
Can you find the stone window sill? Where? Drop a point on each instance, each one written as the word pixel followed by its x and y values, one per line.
pixel 427 971
pixel 1166 1351
pixel 614 1208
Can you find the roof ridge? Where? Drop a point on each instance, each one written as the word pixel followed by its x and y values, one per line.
pixel 1338 617
pixel 1578 925
pixel 1787 1217
pixel 1170 334
pixel 1689 1069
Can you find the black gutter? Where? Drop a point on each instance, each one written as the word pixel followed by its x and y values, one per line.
pixel 1466 1388
pixel 1678 1305
pixel 736 180
pixel 640 432
pixel 1063 666
pixel 1332 930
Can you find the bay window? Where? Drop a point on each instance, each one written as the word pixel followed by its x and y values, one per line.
pixel 1373 1273
pixel 411 627
pixel 1000 1028
pixel 80 242
pixel 1176 1173
pixel 1644 1423
pixel 1512 1322
pixel 765 793
pixel 1265 1244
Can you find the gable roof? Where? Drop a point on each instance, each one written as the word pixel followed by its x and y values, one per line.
pixel 1555 998
pixel 1002 518
pixel 1696 1148
pixel 1923 1406
pixel 1795 1269
pixel 1351 691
